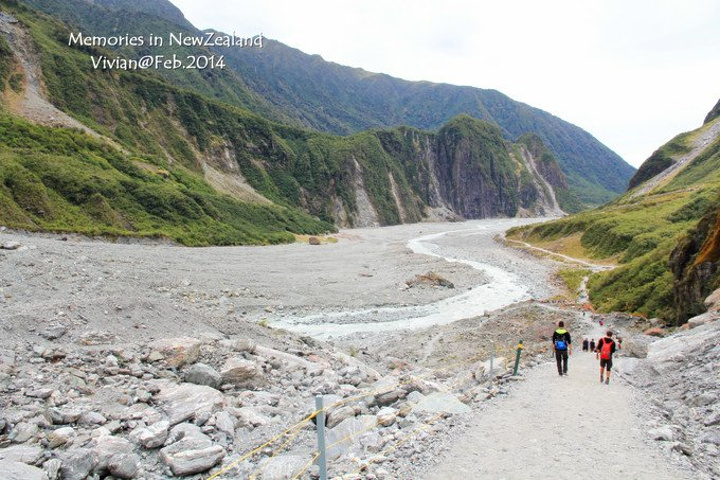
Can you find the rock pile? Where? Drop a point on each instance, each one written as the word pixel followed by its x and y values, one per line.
pixel 680 374
pixel 185 406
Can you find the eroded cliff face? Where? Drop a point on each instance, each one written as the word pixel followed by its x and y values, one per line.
pixel 695 264
pixel 466 169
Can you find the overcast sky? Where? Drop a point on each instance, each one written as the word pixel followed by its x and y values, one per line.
pixel 632 73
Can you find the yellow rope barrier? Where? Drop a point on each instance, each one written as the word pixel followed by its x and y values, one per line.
pixel 298 426
pixel 269 442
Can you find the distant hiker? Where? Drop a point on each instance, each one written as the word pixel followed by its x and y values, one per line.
pixel 601 323
pixel 586 344
pixel 606 348
pixel 619 343
pixel 592 345
pixel 562 344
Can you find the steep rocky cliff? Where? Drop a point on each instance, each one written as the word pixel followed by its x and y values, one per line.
pixel 695 264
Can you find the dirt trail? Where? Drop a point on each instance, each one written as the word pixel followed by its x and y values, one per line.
pixel 560 427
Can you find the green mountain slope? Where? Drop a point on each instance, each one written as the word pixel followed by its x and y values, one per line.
pixel 339 99
pixel 283 84
pixel 200 171
pixel 675 188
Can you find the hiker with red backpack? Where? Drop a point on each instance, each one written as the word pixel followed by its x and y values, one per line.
pixel 562 345
pixel 606 348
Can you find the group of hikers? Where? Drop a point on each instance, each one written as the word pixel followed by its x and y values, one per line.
pixel 604 350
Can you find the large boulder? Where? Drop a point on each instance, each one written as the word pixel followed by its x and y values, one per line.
pixel 20 471
pixel 105 447
pixel 30 454
pixel 637 345
pixel 186 401
pixel 177 351
pixel 201 374
pixel 240 372
pixel 192 455
pixel 706 317
pixel 152 436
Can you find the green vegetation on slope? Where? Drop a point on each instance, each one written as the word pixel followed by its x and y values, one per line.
pixel 284 84
pixel 641 233
pixel 63 180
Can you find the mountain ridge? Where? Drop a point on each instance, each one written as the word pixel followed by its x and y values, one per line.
pixel 171 152
pixel 663 233
pixel 286 85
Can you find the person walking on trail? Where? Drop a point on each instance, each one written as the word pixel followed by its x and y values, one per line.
pixel 586 344
pixel 606 348
pixel 592 345
pixel 562 344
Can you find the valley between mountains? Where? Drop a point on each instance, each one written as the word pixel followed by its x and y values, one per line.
pixel 157 361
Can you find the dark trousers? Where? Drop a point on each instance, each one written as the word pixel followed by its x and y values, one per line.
pixel 561 357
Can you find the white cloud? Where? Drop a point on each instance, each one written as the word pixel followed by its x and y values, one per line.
pixel 633 74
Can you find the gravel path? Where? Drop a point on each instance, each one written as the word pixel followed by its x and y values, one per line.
pixel 560 427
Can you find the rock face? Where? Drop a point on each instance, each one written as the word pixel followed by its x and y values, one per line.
pixel 680 379
pixel 695 264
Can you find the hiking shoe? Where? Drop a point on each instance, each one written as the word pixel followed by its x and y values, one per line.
pixel 601 379
pixel 607 381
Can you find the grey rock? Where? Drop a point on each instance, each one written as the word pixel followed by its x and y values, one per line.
pixel 41 393
pixel 282 467
pixel 438 402
pixel 243 345
pixel 92 418
pixel 20 471
pixel 249 417
pixel 53 332
pixel 712 419
pixel 225 422
pixel 153 436
pixel 182 402
pixel 63 416
pixel 706 317
pixel 10 245
pixel 97 338
pixel 710 436
pixel 76 464
pixel 23 432
pixel 177 351
pixel 415 397
pixel 184 430
pixel 238 371
pixel 338 415
pixel 61 436
pixel 343 436
pixel 52 469
pixel 192 455
pixel 637 345
pixel 31 455
pixel 124 465
pixel 706 398
pixel 105 447
pixel 201 374
pixel 664 433
pixel 482 372
pixel 386 416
